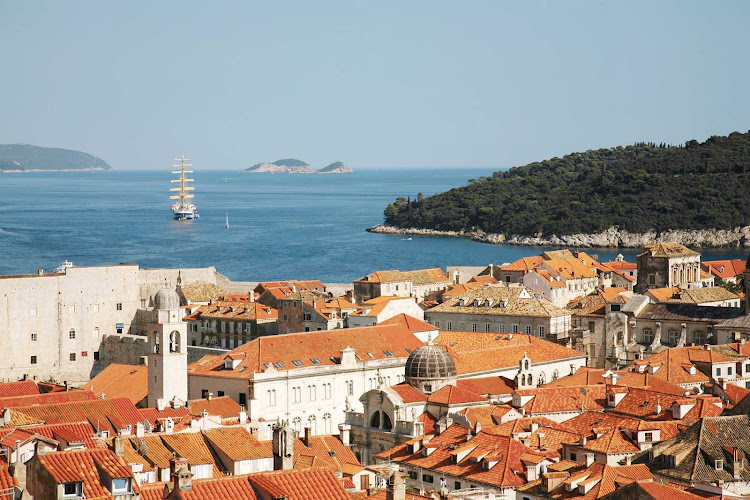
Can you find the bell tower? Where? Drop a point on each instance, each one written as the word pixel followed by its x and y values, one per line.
pixel 167 359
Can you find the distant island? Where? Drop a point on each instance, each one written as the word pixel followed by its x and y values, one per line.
pixel 293 166
pixel 26 158
pixel 697 194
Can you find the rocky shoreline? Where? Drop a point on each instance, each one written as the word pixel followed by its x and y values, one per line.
pixel 30 170
pixel 613 237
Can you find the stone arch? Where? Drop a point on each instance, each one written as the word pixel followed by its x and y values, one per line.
pixel 174 341
pixel 386 424
pixel 375 419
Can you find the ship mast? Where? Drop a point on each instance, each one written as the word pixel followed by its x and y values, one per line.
pixel 184 188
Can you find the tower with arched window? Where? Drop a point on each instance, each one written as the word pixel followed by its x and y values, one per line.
pixel 167 359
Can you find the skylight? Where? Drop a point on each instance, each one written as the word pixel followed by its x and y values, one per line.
pixel 315 361
pixel 277 364
pixel 297 362
pixel 388 353
pixel 409 350
pixel 371 356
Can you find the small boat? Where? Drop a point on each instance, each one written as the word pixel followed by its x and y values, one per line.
pixel 183 209
pixel 65 265
pixel 227 222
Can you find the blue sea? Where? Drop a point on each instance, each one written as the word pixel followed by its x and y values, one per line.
pixel 282 226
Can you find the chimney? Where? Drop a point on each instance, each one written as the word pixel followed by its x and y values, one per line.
pixel 140 429
pixel 307 435
pixel 18 468
pixel 395 488
pixel 736 464
pixel 210 396
pixel 179 469
pixel 243 415
pixel 251 296
pixel 534 426
pixel 41 272
pixel 707 347
pixel 572 369
pixel 541 440
pixel 283 447
pixel 344 433
pixel 119 443
pixel 582 441
pixel 589 459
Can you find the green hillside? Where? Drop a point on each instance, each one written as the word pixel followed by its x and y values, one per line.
pixel 25 157
pixel 638 188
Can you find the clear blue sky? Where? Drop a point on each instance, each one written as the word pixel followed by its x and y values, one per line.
pixel 373 84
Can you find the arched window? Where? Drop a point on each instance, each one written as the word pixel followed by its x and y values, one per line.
pixel 526 364
pixel 327 423
pixel 312 423
pixel 174 342
pixel 528 379
pixel 375 419
pixel 155 338
pixel 297 425
pixel 541 379
pixel 387 425
pixel 555 375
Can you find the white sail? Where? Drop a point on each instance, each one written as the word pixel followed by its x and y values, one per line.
pixel 183 208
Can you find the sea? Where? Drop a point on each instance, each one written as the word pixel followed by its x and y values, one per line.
pixel 281 226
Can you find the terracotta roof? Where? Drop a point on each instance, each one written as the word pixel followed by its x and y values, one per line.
pixel 239 311
pixel 408 393
pixel 724 269
pixel 222 406
pixel 505 301
pixel 324 451
pixel 604 480
pixel 293 350
pixel 87 466
pixel 658 491
pixel 46 399
pixel 121 381
pixel 71 432
pixel 524 264
pixel 667 250
pixel 662 294
pixel 238 444
pixel 735 393
pixel 487 385
pixel 483 280
pixel 418 277
pixel 584 423
pixel 502 451
pixel 585 376
pixel 701 295
pixel 190 446
pixel 299 284
pixel 152 414
pixel 222 488
pixel 104 414
pixel 6 480
pixel 487 415
pixel 307 484
pixel 452 395
pixel 411 323
pixel 154 491
pixel 20 388
pixel 613 441
pixel 563 399
pixel 202 292
pixel 376 305
pixel 569 268
pixel 474 352
pixel 673 364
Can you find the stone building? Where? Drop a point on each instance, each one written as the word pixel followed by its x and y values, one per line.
pixel 291 309
pixel 379 309
pixel 400 283
pixel 668 265
pixel 500 308
pixel 230 324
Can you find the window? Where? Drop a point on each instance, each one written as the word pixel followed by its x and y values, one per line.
pixel 388 353
pixel 96 308
pixel 286 317
pixel 296 394
pixel 96 355
pixel 729 371
pixel 118 306
pixel 413 474
pixel 486 327
pixel 573 457
pixel 673 336
pixel 473 327
pixel 243 399
pixel 350 388
pixel 614 307
pixel 437 324
pixel 271 397
pixel 514 328
pixel 204 393
pixel 72 490
pixel 327 392
pixel 651 279
pixel 450 326
pixel 297 362
pixel 507 278
pixel 72 309
pixel 143 303
pixel 648 335
pixel 294 317
pixel 315 361
pixel 648 437
pixel 121 485
pixel 457 485
pixel 278 365
pixel 541 331
pixel 699 338
pixel 33 360
pixel 502 328
pixel 718 371
pixel 72 356
pixel 528 330
pixel 220 393
pixel 592 326
pixel 32 311
pixel 34 337
pixel 427 478
pixel 311 392
pixel 307 317
pixel 96 332
pixel 718 464
pixel 72 334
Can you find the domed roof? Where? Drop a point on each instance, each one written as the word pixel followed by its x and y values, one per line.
pixel 166 299
pixel 430 362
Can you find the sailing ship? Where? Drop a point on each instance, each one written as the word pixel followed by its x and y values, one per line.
pixel 183 208
pixel 227 222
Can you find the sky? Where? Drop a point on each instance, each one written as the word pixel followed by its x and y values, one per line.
pixel 373 84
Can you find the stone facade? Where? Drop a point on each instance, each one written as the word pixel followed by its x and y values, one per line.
pixel 668 265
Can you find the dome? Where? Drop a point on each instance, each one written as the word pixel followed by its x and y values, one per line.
pixel 166 299
pixel 430 362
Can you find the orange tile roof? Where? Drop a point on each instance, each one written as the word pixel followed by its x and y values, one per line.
pixel 613 441
pixel 452 395
pixel 417 277
pixel 411 323
pixel 305 484
pixel 583 424
pixel 487 415
pixel 735 393
pixel 524 264
pixel 190 446
pixel 222 488
pixel 154 491
pixel 569 268
pixel 238 444
pixel 605 479
pixel 324 451
pixel 662 294
pixel 460 289
pixel 474 352
pixel 6 480
pixel 724 269
pixel 121 381
pixel 240 311
pixel 104 414
pixel 87 466
pixel 508 471
pixel 487 385
pixel 71 432
pixel 46 399
pixel 303 347
pixel 408 393
pixel 483 280
pixel 20 388
pixel 563 399
pixel 585 376
pixel 674 364
pixel 222 406
pixel 152 414
pixel 667 250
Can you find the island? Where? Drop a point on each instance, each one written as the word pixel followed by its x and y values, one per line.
pixel 697 194
pixel 293 166
pixel 15 158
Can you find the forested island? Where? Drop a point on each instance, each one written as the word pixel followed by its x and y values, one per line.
pixel 28 158
pixel 643 191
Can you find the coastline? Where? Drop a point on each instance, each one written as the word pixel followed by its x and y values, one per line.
pixel 613 237
pixel 24 171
